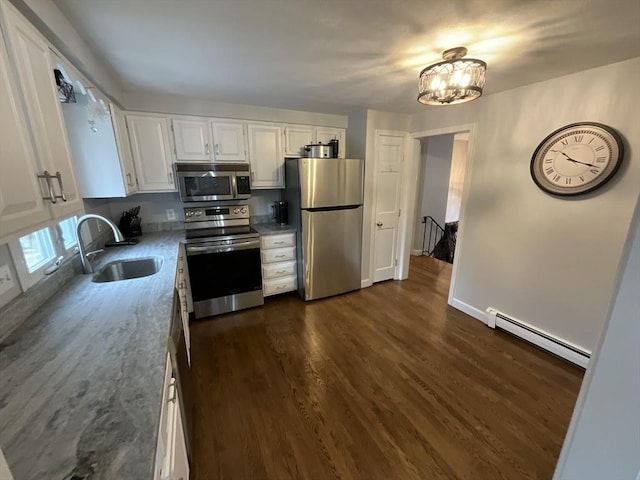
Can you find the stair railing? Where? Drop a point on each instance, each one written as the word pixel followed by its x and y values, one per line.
pixel 433 232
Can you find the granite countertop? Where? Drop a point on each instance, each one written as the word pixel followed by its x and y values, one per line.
pixel 272 228
pixel 81 382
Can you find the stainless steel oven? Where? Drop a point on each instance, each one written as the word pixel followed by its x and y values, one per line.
pixel 205 182
pixel 223 259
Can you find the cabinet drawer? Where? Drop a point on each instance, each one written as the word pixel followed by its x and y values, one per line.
pixel 278 269
pixel 278 255
pixel 279 285
pixel 277 241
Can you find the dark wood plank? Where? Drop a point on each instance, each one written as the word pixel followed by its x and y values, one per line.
pixel 385 383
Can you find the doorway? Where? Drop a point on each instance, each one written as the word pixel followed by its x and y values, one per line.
pixel 412 177
pixel 442 165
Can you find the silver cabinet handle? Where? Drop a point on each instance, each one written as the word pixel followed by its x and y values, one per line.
pixel 281 287
pixel 379 224
pixel 279 243
pixel 129 181
pixel 206 149
pixel 217 149
pixel 52 196
pixel 281 271
pixel 174 394
pixel 170 175
pixel 62 195
pixel 281 256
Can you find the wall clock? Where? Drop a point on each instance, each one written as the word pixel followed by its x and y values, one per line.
pixel 577 158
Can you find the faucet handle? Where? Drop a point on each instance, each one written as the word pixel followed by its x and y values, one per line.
pixel 95 252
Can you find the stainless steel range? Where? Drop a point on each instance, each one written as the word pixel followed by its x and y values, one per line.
pixel 223 259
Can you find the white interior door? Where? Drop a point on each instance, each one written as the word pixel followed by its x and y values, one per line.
pixel 388 173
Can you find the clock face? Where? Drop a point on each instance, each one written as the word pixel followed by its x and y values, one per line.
pixel 576 159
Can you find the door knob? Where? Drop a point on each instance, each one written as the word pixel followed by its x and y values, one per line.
pixel 379 224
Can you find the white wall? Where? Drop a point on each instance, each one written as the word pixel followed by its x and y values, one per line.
pixel 545 260
pixel 376 120
pixel 603 440
pixel 456 178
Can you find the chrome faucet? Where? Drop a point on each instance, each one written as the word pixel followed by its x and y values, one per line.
pixel 117 235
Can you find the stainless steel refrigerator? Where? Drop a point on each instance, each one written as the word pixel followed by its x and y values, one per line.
pixel 325 205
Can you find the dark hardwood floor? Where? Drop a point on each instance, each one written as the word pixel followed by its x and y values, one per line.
pixel 385 383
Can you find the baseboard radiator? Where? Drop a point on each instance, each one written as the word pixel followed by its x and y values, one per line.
pixel 540 338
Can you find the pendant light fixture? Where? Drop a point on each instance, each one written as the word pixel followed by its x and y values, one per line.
pixel 454 80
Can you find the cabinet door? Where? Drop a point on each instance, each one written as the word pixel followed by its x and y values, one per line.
pixel 192 139
pixel 151 152
pixel 124 149
pixel 295 138
pixel 265 154
pixel 324 134
pixel 21 203
pixel 228 142
pixel 34 67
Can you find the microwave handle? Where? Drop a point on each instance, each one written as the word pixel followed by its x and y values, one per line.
pixel 234 186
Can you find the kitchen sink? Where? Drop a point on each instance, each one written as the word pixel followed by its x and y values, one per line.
pixel 128 269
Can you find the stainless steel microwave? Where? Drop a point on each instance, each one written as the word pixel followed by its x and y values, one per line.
pixel 203 182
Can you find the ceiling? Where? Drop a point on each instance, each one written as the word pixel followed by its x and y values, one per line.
pixel 320 55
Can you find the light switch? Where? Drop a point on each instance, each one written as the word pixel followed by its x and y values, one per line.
pixel 171 214
pixel 6 280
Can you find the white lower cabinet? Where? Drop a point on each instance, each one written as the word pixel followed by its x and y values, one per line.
pixel 172 462
pixel 279 271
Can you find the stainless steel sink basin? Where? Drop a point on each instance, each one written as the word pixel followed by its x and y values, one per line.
pixel 127 269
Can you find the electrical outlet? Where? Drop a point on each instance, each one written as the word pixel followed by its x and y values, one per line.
pixel 6 281
pixel 171 214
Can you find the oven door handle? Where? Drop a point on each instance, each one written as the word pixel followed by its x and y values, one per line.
pixel 194 250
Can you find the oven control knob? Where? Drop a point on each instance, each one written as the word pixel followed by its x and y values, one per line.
pixel 236 210
pixel 243 210
pixel 188 214
pixel 198 213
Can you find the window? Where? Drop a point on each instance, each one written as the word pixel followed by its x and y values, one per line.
pixel 34 252
pixel 68 229
pixel 37 249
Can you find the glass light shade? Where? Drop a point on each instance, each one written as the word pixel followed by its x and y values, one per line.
pixel 451 81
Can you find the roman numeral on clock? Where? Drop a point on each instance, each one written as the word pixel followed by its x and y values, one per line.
pixel 578 138
pixel 549 170
pixel 567 181
pixel 601 159
pixel 556 178
pixel 564 141
pixel 601 147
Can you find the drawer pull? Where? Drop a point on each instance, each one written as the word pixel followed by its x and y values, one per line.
pixel 281 271
pixel 281 256
pixel 281 287
pixel 279 243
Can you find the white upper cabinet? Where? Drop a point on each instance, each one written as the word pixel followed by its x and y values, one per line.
pixel 30 54
pixel 266 156
pixel 324 134
pixel 21 203
pixel 123 146
pixel 151 147
pixel 228 142
pixel 192 139
pixel 295 138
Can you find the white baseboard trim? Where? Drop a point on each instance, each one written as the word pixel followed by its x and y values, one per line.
pixel 545 340
pixel 365 283
pixel 469 310
pixel 415 252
